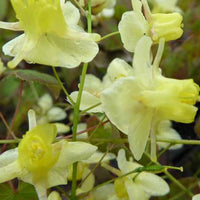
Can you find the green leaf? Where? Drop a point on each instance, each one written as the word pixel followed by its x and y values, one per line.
pixel 25 192
pixel 31 75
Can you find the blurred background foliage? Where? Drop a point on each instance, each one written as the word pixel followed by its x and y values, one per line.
pixel 181 60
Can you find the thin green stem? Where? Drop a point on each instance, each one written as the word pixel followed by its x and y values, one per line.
pixel 7 126
pixel 78 101
pixel 89 16
pixel 77 105
pixel 109 35
pixel 164 150
pixel 180 185
pixel 180 194
pixel 10 141
pixel 171 141
pixel 61 84
pixel 75 124
pixel 90 108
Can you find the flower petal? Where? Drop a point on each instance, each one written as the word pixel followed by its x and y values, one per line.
pixel 8 157
pixel 87 100
pixel 152 184
pixel 47 132
pixel 137 5
pixel 96 157
pixel 135 192
pixel 118 68
pixel 14 26
pixel 57 176
pixel 10 171
pixel 53 50
pixel 54 196
pixel 12 47
pixel 74 151
pixel 132 27
pixel 179 112
pixel 82 127
pixel 165 131
pixel 56 114
pixel 62 128
pixel 45 102
pixel 138 132
pixel 118 102
pixel 41 190
pixel 71 13
pixel 88 184
pixel 105 192
pixel 126 166
pixel 93 85
pixel 63 51
pixel 142 61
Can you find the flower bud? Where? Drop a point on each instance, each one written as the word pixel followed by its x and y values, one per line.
pixel 168 26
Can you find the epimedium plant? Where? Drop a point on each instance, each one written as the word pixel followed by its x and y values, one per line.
pixel 133 103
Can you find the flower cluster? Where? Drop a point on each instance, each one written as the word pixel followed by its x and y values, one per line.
pixel 136 99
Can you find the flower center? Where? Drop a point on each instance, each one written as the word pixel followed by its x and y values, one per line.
pixel 36 153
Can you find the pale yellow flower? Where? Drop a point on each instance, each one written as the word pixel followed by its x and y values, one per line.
pixel 134 25
pixel 136 104
pixel 40 161
pixel 51 34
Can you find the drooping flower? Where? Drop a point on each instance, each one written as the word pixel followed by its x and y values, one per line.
pixel 40 161
pixel 136 104
pixel 134 25
pixel 165 6
pixel 46 112
pixel 94 87
pixel 51 34
pixel 136 186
